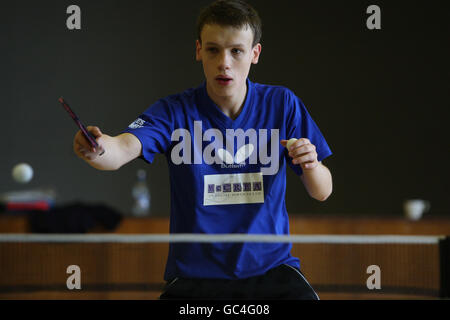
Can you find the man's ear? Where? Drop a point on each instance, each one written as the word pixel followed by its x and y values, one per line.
pixel 198 47
pixel 256 51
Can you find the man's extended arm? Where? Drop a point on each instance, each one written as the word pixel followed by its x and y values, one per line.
pixel 318 182
pixel 119 150
pixel 316 177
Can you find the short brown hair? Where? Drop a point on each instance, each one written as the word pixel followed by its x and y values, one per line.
pixel 234 13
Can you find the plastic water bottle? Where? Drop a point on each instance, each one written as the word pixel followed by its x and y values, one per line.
pixel 141 195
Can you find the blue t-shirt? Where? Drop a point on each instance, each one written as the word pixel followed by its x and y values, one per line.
pixel 227 176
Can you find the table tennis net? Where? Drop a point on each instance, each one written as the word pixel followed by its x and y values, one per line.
pixel 37 266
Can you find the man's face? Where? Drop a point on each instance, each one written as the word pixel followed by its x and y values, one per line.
pixel 226 54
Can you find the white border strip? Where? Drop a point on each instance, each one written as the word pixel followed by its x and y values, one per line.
pixel 208 238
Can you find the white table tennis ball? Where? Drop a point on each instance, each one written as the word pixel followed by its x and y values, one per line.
pixel 22 172
pixel 290 142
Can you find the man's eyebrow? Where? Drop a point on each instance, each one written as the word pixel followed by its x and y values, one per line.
pixel 232 45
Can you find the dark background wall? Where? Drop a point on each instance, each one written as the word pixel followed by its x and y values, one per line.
pixel 381 97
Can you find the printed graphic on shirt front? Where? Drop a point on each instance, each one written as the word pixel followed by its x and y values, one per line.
pixel 237 188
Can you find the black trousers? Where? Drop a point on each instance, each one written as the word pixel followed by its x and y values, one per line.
pixel 281 283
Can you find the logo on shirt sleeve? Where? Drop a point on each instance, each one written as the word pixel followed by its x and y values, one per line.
pixel 138 123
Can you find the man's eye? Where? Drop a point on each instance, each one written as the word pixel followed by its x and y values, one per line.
pixel 236 51
pixel 213 50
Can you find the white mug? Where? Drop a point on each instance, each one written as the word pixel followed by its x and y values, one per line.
pixel 415 208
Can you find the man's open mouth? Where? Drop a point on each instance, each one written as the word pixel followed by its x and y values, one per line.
pixel 224 80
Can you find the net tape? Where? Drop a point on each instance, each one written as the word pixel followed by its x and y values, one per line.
pixel 208 238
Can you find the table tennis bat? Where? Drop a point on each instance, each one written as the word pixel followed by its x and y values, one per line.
pixel 90 138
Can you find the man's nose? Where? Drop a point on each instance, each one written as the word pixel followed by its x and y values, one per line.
pixel 224 61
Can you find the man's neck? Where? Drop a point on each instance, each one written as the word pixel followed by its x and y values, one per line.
pixel 231 106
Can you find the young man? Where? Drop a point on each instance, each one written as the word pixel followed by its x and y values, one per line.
pixel 225 143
